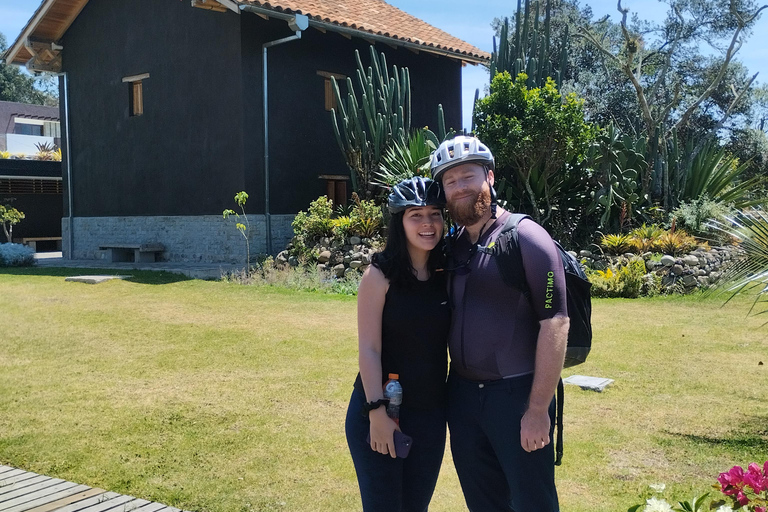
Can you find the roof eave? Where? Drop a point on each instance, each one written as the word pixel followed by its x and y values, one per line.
pixel 362 34
pixel 9 57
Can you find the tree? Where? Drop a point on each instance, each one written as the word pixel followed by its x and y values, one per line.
pixel 18 87
pixel 539 139
pixel 9 217
pixel 653 59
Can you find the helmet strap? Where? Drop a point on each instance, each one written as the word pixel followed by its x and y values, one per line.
pixel 494 202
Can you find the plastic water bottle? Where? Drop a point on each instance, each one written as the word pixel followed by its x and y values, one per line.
pixel 393 391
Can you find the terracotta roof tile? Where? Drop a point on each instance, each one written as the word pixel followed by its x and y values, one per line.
pixel 376 17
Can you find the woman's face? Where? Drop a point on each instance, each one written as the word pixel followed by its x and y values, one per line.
pixel 423 227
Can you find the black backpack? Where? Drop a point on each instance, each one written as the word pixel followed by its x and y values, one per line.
pixel 506 251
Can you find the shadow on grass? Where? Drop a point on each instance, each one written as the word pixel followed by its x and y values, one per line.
pixel 137 276
pixel 752 435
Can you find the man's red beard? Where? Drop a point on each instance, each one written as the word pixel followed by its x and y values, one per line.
pixel 467 213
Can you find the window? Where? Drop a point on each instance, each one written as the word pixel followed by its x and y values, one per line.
pixel 330 98
pixel 28 127
pixel 336 188
pixel 136 93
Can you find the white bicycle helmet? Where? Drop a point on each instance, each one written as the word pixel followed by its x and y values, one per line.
pixel 461 149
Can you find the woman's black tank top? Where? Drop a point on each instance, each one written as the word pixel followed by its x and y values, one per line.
pixel 414 334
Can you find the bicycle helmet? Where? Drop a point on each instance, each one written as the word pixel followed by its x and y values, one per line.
pixel 461 149
pixel 416 191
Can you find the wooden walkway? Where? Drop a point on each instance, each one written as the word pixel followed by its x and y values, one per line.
pixel 22 491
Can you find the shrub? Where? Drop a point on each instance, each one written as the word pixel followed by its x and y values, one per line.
pixel 643 239
pixel 5 155
pixel 16 255
pixel 625 281
pixel 615 244
pixel 366 217
pixel 676 243
pixel 695 215
pixel 316 222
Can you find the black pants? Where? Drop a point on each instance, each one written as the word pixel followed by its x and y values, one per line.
pixel 496 474
pixel 397 485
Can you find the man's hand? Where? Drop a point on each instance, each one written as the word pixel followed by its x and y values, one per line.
pixel 534 429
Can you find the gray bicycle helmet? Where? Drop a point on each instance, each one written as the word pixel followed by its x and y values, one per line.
pixel 416 191
pixel 461 149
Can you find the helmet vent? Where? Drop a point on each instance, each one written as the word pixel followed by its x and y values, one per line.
pixel 466 146
pixel 451 151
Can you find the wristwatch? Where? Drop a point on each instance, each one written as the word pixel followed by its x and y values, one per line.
pixel 369 406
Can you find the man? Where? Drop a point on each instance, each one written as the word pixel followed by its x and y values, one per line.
pixel 507 347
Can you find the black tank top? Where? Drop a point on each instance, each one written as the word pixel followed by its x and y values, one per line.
pixel 414 336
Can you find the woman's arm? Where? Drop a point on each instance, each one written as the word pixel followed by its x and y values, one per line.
pixel 370 306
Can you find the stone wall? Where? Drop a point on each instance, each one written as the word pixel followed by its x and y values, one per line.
pixel 204 238
pixel 698 269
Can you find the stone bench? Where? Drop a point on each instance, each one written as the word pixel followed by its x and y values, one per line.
pixel 137 253
pixel 32 241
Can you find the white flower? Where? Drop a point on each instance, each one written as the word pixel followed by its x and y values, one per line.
pixel 724 508
pixel 658 487
pixel 657 505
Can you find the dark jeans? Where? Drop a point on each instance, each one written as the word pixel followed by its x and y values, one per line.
pixel 496 474
pixel 397 485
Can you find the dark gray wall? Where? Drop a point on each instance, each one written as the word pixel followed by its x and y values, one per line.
pixel 184 155
pixel 200 139
pixel 302 144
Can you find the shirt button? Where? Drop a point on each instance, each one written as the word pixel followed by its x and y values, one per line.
pixel 481 386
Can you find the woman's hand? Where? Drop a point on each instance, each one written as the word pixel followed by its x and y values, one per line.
pixel 382 432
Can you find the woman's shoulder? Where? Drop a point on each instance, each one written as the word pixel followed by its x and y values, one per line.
pixel 373 281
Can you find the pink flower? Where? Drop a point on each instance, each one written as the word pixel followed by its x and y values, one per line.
pixel 759 509
pixel 732 481
pixel 754 478
pixel 742 498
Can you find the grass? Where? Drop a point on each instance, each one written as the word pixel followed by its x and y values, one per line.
pixel 212 396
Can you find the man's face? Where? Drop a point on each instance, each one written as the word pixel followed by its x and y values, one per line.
pixel 468 193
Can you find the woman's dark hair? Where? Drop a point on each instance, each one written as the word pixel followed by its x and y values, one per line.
pixel 395 262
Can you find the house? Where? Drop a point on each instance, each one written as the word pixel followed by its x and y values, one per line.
pixel 23 127
pixel 162 105
pixel 34 187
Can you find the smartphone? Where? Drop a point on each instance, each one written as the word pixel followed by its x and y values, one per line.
pixel 402 444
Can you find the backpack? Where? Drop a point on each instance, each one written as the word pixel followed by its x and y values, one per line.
pixel 506 250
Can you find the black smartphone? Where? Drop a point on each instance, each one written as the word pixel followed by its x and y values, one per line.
pixel 403 444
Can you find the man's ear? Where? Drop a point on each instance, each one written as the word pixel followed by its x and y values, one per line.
pixel 490 177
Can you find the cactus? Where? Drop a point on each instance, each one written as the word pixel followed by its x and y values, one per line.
pixel 530 50
pixel 375 116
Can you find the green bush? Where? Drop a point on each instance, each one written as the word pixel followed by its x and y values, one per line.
pixel 695 217
pixel 625 281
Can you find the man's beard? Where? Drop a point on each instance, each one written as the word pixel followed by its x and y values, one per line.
pixel 468 213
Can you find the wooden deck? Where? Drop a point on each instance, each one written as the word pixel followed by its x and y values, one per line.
pixel 22 491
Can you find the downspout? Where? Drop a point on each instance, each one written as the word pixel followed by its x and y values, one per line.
pixel 297 23
pixel 70 223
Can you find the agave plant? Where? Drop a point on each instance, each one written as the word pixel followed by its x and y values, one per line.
pixel 615 244
pixel 749 274
pixel 675 243
pixel 643 238
pixel 401 162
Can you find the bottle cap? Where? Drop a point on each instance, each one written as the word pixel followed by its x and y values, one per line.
pixel 394 376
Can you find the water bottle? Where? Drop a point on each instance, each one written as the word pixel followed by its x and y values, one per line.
pixel 393 391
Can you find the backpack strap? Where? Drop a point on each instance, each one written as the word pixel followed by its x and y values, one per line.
pixel 559 401
pixel 506 250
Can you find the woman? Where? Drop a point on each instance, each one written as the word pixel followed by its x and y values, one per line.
pixel 402 320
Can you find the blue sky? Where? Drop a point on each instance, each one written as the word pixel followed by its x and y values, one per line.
pixel 470 21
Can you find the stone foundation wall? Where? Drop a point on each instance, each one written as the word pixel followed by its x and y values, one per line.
pixel 204 238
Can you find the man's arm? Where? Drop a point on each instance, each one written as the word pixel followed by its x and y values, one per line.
pixel 550 354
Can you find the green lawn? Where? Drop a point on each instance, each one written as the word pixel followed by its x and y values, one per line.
pixel 214 396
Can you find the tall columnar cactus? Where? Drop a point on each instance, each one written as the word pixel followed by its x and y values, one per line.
pixel 372 118
pixel 530 50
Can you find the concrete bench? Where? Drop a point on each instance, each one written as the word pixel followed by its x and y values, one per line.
pixel 32 241
pixel 137 253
